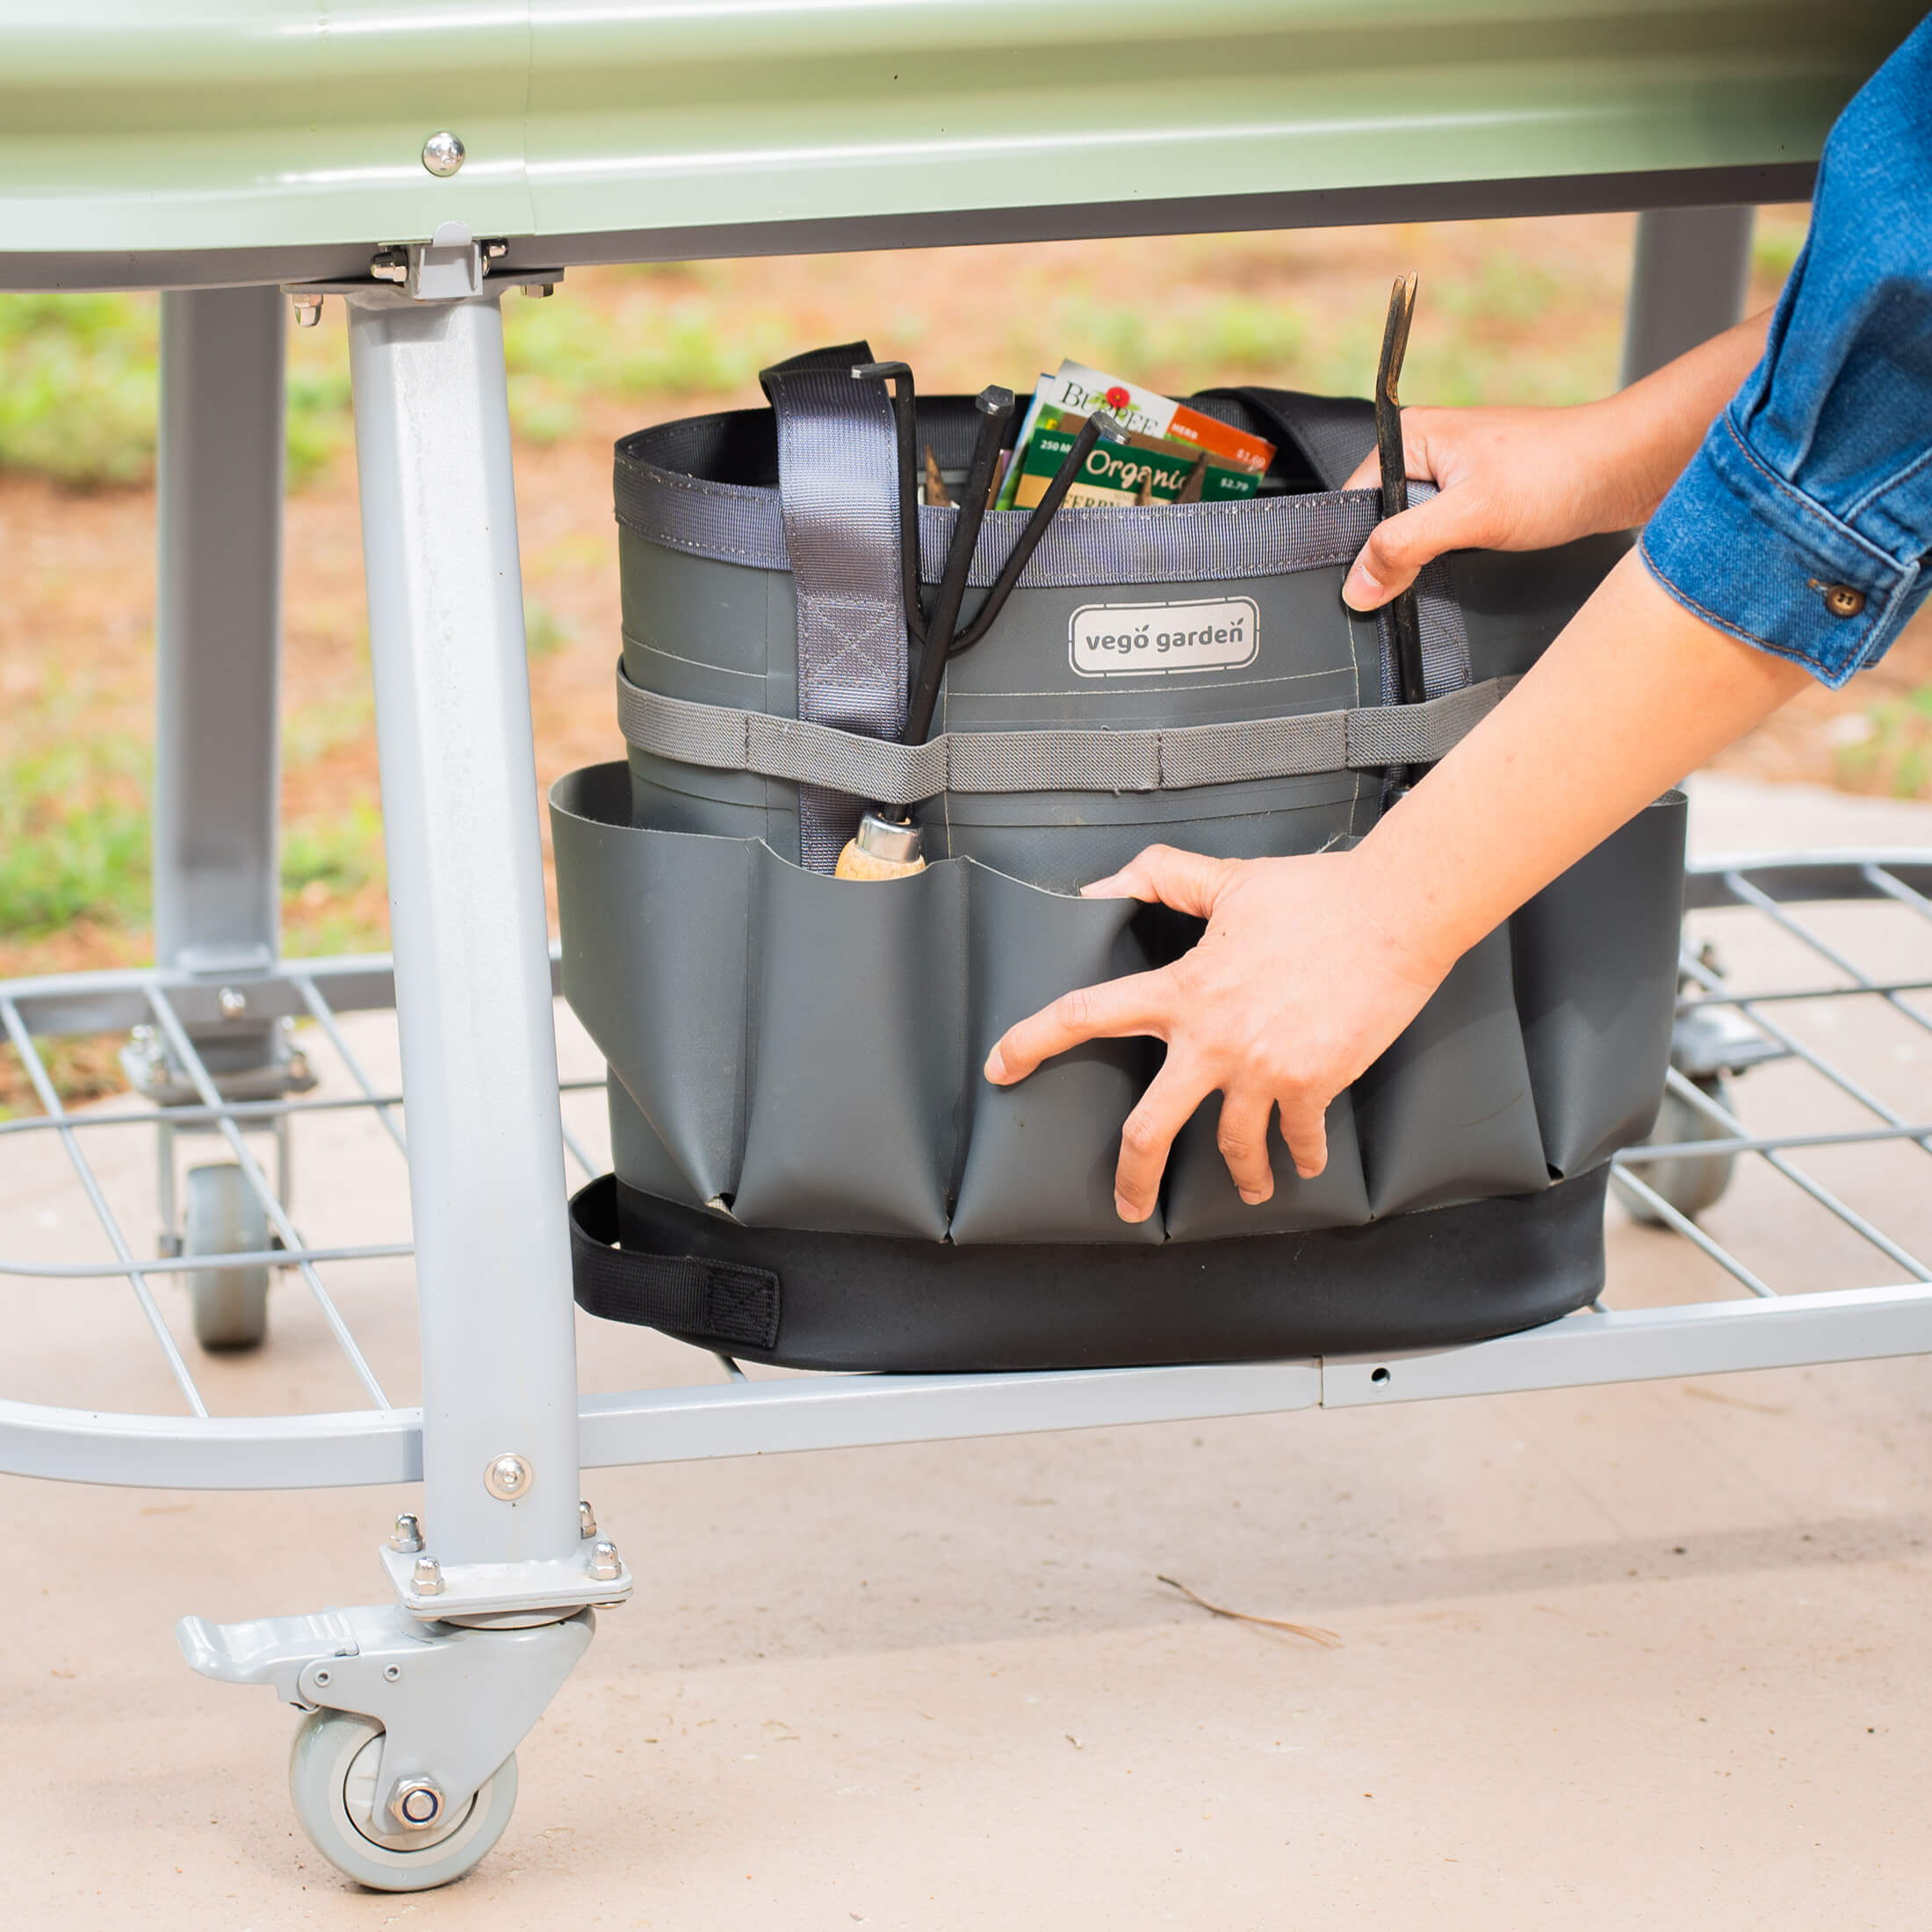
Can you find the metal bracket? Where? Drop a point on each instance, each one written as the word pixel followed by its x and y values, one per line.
pixel 451 266
pixel 453 1702
pixel 492 1590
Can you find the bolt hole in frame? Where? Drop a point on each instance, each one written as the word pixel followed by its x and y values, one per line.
pixel 401 1679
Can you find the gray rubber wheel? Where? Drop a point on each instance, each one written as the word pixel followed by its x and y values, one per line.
pixel 230 1305
pixel 1690 1183
pixel 332 1779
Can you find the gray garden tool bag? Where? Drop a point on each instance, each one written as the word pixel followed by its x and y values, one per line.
pixel 809 1168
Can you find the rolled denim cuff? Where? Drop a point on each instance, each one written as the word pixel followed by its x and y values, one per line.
pixel 1738 546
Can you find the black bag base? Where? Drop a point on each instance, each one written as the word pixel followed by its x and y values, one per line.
pixel 1431 1280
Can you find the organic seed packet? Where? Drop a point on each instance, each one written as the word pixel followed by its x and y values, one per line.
pixel 1116 472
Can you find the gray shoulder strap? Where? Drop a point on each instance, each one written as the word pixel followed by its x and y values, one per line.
pixel 838 484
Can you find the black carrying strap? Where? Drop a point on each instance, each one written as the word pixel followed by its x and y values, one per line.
pixel 722 1303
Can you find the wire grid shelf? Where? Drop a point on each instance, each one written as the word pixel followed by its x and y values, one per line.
pixel 1820 1050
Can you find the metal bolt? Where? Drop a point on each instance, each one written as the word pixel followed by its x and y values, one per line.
pixel 443 154
pixel 407 1536
pixel 417 1804
pixel 495 251
pixel 232 1001
pixel 586 1520
pixel 426 1578
pixel 298 1065
pixel 389 265
pixel 539 289
pixel 308 310
pixel 507 1477
pixel 605 1567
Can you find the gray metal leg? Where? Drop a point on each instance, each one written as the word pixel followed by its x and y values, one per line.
pixel 473 969
pixel 218 630
pixel 1688 283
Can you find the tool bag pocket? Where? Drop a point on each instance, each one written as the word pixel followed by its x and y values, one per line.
pixel 804 1051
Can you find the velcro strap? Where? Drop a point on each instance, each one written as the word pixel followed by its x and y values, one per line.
pixel 722 738
pixel 720 1302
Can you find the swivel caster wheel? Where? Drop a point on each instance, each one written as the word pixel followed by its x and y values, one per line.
pixel 332 1779
pixel 1691 1182
pixel 230 1306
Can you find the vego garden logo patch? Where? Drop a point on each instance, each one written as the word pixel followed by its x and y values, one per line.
pixel 1148 640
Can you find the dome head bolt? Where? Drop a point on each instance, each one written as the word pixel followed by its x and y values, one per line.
pixel 308 310
pixel 406 1537
pixel 508 1478
pixel 442 154
pixel 586 1521
pixel 606 1566
pixel 233 1002
pixel 426 1578
pixel 416 1803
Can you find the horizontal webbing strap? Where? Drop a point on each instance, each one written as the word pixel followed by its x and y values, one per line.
pixel 1176 759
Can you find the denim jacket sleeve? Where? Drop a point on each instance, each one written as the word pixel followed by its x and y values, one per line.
pixel 1802 525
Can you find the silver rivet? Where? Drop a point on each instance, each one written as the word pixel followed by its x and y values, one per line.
pixel 507 1477
pixel 426 1578
pixel 321 1676
pixel 407 1536
pixel 232 1001
pixel 605 1567
pixel 390 1672
pixel 443 154
pixel 417 1804
pixel 586 1520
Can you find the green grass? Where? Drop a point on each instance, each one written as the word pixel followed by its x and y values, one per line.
pixel 74 842
pixel 73 838
pixel 560 353
pixel 79 390
pixel 544 632
pixel 1895 755
pixel 343 853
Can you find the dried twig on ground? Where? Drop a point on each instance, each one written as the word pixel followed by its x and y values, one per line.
pixel 1313 1633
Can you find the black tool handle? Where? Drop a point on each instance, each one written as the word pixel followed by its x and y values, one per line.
pixel 1404 616
pixel 995 407
pixel 1096 426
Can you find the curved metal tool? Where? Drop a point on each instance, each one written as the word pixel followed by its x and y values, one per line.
pixel 1404 616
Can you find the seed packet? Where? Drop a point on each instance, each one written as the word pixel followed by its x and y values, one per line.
pixel 1077 390
pixel 1115 473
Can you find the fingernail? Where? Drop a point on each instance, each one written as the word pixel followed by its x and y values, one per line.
pixel 1362 592
pixel 1251 1197
pixel 1126 1209
pixel 1101 889
pixel 996 1066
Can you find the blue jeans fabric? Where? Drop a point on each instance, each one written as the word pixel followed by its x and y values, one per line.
pixel 1803 523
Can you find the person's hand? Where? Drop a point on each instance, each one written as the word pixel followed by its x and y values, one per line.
pixel 1506 479
pixel 1529 478
pixel 1293 991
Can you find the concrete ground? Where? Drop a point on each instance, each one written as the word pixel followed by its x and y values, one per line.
pixel 1639 1656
